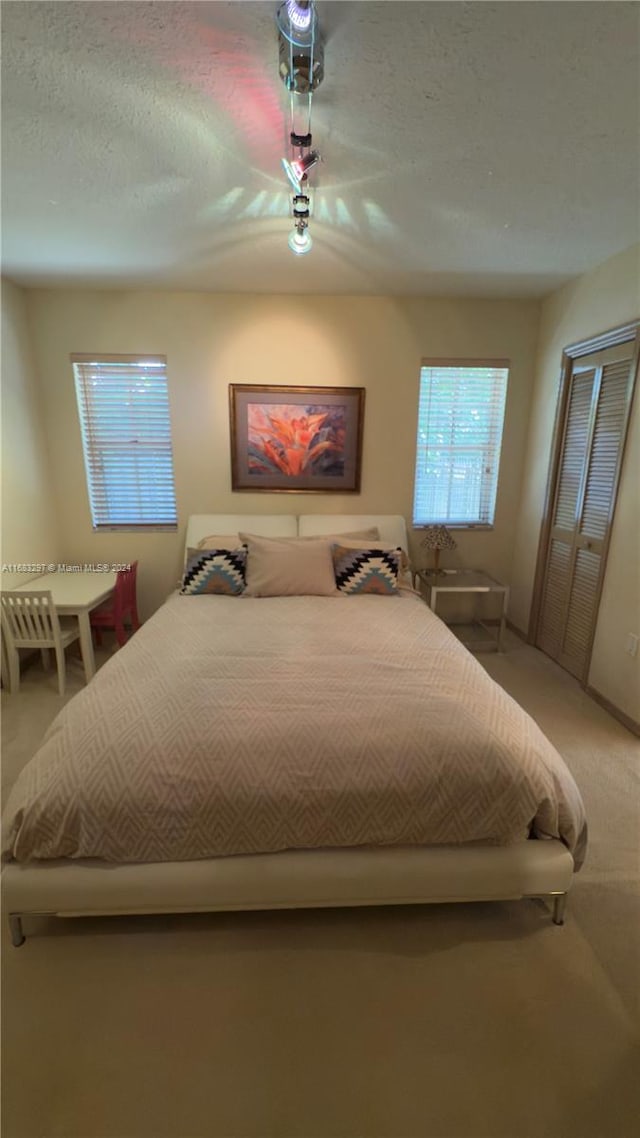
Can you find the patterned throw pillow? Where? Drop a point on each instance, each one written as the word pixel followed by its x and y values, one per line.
pixel 220 571
pixel 366 570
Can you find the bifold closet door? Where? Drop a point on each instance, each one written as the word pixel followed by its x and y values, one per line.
pixel 588 469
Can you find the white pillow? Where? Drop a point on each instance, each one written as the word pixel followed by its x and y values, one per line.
pixel 289 567
pixel 371 534
pixel 220 541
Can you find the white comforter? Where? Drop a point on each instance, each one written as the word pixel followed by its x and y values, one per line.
pixel 242 725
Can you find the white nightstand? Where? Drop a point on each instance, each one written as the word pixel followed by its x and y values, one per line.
pixel 476 635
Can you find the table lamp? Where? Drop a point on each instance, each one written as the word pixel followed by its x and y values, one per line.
pixel 437 538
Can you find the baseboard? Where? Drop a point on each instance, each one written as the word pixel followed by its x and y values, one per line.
pixel 518 631
pixel 622 717
pixel 631 724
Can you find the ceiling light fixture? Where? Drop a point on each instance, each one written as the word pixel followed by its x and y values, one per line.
pixel 301 51
pixel 301 69
pixel 298 168
pixel 296 16
pixel 300 240
pixel 301 207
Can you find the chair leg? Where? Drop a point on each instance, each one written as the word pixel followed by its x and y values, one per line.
pixel 46 663
pixel 61 669
pixel 121 635
pixel 559 903
pixel 134 618
pixel 87 675
pixel 16 930
pixel 13 660
pixel 98 636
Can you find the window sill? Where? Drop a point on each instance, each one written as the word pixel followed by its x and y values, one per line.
pixel 136 529
pixel 454 525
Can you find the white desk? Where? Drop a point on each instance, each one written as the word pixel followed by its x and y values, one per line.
pixel 75 594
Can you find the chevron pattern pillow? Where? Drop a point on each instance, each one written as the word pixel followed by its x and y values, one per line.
pixel 366 570
pixel 220 571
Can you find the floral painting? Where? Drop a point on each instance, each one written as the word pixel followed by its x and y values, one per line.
pixel 296 438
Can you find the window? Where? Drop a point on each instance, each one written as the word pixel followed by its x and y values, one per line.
pixel 460 418
pixel 123 405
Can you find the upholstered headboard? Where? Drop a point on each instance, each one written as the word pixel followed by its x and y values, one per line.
pixel 392 527
pixel 267 525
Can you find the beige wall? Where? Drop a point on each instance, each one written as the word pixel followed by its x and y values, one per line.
pixel 600 300
pixel 29 532
pixel 213 340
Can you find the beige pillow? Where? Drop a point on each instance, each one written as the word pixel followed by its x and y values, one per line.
pixel 370 534
pixel 289 567
pixel 220 541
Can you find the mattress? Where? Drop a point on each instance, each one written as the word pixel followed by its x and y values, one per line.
pixel 238 725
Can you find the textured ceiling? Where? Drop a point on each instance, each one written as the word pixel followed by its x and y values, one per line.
pixel 468 148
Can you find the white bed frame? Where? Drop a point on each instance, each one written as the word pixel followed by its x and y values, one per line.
pixel 294 878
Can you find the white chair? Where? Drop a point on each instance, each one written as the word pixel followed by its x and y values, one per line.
pixel 30 620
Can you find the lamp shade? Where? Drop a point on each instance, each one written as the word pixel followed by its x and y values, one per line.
pixel 437 537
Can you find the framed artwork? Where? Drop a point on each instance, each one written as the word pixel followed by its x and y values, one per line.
pixel 296 439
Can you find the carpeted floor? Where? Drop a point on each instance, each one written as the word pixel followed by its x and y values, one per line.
pixel 457 1021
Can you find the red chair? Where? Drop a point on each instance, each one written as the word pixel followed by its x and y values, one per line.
pixel 113 613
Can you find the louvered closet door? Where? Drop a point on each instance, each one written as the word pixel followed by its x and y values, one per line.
pixel 583 506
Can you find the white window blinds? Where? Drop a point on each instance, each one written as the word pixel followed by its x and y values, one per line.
pixel 460 419
pixel 123 405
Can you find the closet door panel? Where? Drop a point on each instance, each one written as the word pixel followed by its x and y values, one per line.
pixel 574 453
pixel 557 581
pixel 590 456
pixel 581 611
pixel 605 451
pixel 554 601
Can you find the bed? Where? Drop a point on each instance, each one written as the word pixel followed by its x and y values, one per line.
pixel 285 752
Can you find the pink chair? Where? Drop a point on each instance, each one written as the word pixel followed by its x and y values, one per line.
pixel 122 606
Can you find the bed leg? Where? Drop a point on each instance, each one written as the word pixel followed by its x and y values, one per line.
pixel 15 927
pixel 559 903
